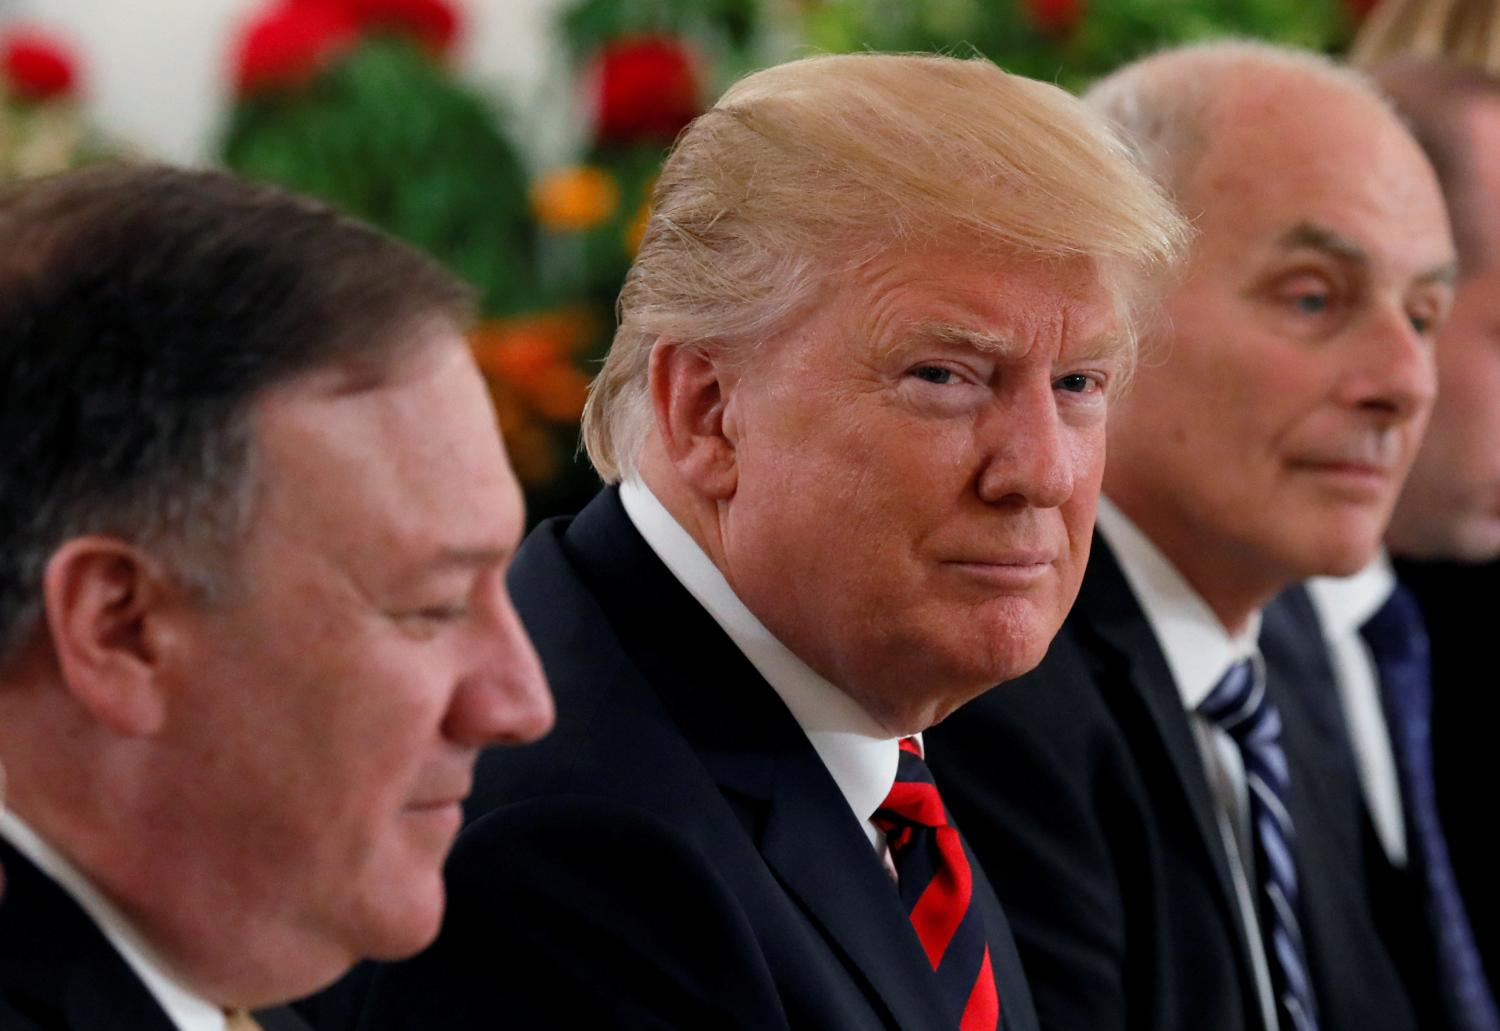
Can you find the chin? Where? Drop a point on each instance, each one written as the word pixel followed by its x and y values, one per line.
pixel 402 920
pixel 1343 558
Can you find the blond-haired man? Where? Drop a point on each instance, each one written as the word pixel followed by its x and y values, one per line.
pixel 1171 823
pixel 854 416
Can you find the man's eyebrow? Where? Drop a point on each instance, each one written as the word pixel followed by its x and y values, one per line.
pixel 1321 238
pixel 1446 274
pixel 1307 235
pixel 468 558
pixel 965 336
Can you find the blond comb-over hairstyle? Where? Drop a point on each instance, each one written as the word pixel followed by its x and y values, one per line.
pixel 809 168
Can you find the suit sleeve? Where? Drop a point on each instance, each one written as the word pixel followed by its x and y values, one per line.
pixel 580 912
pixel 1034 774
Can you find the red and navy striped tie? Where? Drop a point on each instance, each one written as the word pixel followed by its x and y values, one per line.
pixel 937 888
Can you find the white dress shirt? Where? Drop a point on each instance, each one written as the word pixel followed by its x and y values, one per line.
pixel 186 1010
pixel 1345 604
pixel 1199 651
pixel 859 753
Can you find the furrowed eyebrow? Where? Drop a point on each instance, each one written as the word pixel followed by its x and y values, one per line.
pixel 1444 275
pixel 444 563
pixel 1109 347
pixel 1320 238
pixel 963 336
pixel 1306 235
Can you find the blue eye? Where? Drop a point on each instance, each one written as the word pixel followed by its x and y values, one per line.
pixel 1076 383
pixel 933 374
pixel 1312 304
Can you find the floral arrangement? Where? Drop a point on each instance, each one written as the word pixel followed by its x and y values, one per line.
pixel 41 130
pixel 354 101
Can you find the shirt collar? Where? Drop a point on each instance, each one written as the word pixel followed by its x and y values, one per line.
pixel 860 754
pixel 1346 603
pixel 186 1010
pixel 1198 649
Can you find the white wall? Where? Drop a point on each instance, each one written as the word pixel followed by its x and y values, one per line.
pixel 155 72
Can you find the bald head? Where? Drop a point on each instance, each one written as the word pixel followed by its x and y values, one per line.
pixel 1267 435
pixel 1165 105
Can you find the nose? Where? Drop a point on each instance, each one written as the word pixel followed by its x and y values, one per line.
pixel 1027 460
pixel 503 698
pixel 1393 377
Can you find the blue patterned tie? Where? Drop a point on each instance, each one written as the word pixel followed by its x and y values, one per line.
pixel 1238 705
pixel 1398 641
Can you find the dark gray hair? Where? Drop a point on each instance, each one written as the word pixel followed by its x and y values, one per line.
pixel 142 310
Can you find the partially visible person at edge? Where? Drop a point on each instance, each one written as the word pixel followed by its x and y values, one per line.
pixel 1420 728
pixel 255 517
pixel 852 424
pixel 1167 809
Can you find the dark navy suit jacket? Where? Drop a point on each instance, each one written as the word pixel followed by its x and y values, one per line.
pixel 674 854
pixel 59 973
pixel 1083 792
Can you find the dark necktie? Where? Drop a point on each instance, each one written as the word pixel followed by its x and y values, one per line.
pixel 1398 641
pixel 937 887
pixel 1239 706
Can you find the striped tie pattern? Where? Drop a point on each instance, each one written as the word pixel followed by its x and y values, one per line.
pixel 1398 641
pixel 936 885
pixel 1239 706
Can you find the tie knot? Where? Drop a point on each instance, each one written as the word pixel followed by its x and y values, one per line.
pixel 1238 705
pixel 913 799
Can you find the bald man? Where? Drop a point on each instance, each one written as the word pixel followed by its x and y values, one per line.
pixel 1173 831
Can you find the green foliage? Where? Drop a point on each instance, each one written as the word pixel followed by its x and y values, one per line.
pixel 387 134
pixel 589 24
pixel 1107 33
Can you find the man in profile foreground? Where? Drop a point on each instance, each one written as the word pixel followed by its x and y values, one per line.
pixel 1173 829
pixel 853 422
pixel 255 517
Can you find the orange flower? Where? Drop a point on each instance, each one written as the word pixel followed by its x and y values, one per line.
pixel 559 394
pixel 574 199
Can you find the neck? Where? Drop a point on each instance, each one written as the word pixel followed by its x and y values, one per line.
pixel 1233 584
pixel 697 515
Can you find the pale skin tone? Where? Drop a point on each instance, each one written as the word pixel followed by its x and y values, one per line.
pixel 1274 418
pixel 901 487
pixel 267 786
pixel 1450 507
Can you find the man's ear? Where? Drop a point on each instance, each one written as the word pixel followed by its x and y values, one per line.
pixel 102 598
pixel 691 398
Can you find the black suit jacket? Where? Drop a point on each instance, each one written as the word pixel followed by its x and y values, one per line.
pixel 59 973
pixel 1083 791
pixel 1459 604
pixel 674 854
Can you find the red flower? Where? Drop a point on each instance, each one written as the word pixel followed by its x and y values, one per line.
pixel 1055 17
pixel 434 23
pixel 292 42
pixel 37 66
pixel 647 90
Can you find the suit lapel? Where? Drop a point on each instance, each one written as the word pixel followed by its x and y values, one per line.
pixel 762 762
pixel 53 957
pixel 1107 606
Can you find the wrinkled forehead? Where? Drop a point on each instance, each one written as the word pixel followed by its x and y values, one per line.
pixel 986 296
pixel 1342 165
